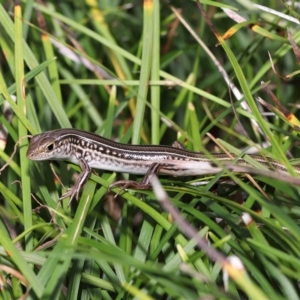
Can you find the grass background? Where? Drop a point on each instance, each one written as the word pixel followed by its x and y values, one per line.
pixel 142 77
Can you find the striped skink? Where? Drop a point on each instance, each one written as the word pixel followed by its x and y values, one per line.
pixel 89 151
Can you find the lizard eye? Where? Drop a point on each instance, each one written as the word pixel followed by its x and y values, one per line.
pixel 50 147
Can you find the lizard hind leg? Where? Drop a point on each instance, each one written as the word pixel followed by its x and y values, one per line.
pixel 143 185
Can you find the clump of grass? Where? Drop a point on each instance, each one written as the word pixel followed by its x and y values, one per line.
pixel 149 73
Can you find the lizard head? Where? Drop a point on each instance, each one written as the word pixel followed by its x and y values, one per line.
pixel 44 146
